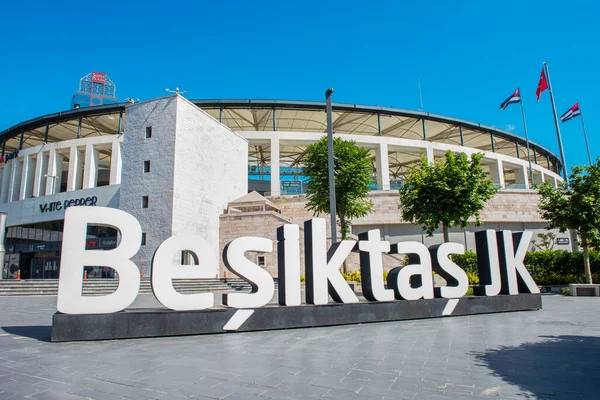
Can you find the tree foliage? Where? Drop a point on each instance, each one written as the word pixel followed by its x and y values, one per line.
pixel 447 192
pixel 353 173
pixel 575 205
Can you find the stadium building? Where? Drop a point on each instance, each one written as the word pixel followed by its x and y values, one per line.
pixel 223 169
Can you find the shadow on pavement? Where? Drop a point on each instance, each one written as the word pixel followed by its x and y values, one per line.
pixel 556 367
pixel 38 332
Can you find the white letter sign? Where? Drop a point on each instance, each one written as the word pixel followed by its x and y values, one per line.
pixel 74 257
pixel 263 286
pixel 323 277
pixel 166 266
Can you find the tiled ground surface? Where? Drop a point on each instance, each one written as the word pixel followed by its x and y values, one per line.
pixel 548 354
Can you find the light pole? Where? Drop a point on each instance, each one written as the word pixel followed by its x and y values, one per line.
pixel 330 163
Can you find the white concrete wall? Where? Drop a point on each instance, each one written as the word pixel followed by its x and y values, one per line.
pixel 156 220
pixel 28 211
pixel 197 166
pixel 210 171
pixel 37 171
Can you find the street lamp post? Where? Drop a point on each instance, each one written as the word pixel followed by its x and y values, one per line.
pixel 330 162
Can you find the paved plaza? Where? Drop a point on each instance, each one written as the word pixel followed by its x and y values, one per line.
pixel 549 354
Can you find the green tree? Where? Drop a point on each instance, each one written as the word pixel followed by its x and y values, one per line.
pixel 575 205
pixel 447 192
pixel 353 172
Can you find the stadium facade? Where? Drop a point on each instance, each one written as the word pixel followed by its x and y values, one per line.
pixel 223 169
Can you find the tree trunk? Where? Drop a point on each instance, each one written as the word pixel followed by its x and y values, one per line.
pixel 343 232
pixel 586 259
pixel 446 234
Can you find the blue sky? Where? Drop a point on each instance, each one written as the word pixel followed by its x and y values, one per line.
pixel 469 56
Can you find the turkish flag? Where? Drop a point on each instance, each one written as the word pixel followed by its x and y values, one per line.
pixel 542 85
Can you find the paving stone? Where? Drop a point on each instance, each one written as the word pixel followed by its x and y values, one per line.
pixel 499 356
pixel 56 395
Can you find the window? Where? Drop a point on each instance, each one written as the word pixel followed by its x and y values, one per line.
pixel 148 132
pixel 143 238
pixel 260 261
pixel 144 201
pixel 146 166
pixel 189 258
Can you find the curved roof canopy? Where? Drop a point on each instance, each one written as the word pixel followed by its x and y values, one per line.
pixel 295 116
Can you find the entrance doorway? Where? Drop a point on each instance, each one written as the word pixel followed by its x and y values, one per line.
pixel 33 267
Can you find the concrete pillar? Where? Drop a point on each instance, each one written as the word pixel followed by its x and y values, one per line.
pixel 3 217
pixel 41 168
pixel 429 153
pixel 521 177
pixel 16 168
pixel 90 171
pixel 75 175
pixel 383 167
pixel 497 173
pixel 115 164
pixel 54 172
pixel 5 183
pixel 275 181
pixel 27 178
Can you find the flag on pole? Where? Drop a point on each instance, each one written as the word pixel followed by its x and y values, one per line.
pixel 542 85
pixel 514 98
pixel 572 113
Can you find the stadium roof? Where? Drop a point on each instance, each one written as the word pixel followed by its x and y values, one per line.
pixel 294 116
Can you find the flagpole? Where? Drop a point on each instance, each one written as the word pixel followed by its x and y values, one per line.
pixel 584 134
pixel 560 145
pixel 526 139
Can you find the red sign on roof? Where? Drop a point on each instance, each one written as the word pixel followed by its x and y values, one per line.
pixel 99 77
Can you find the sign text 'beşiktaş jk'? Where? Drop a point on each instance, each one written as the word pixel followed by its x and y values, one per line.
pixel 500 259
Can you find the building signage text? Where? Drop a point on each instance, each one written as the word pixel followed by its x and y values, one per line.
pixel 500 259
pixel 6 158
pixel 60 205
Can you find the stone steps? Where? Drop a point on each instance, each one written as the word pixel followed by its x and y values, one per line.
pixel 105 286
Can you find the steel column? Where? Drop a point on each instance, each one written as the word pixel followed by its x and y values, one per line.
pixel 331 164
pixel 46 132
pixel 120 122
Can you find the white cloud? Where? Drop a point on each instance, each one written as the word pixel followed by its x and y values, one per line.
pixel 509 127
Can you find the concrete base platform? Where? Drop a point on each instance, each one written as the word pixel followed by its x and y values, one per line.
pixel 140 323
pixel 584 289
